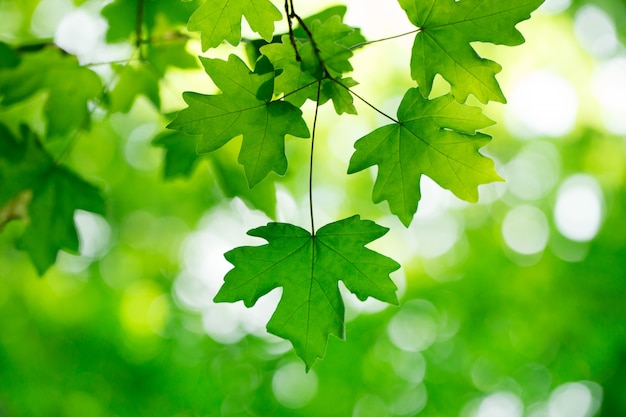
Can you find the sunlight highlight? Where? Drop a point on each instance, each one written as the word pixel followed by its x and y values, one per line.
pixel 501 404
pixel 575 399
pixel 579 207
pixel 541 104
pixel 292 387
pixel 609 87
pixel 405 334
pixel 595 31
pixel 525 230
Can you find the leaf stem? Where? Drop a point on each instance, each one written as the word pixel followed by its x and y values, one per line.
pixel 291 14
pixel 300 88
pixel 358 45
pixel 317 106
pixel 139 28
pixel 365 101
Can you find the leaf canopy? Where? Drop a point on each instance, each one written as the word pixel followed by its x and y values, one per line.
pixel 436 138
pixel 308 269
pixel 245 108
pixel 442 44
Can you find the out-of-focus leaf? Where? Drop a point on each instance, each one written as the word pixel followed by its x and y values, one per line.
pixel 131 83
pixel 181 159
pixel 8 58
pixel 121 16
pixel 69 86
pixel 56 193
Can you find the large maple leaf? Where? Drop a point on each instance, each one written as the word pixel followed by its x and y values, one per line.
pixel 219 20
pixel 308 269
pixel 245 108
pixel 437 138
pixel 442 44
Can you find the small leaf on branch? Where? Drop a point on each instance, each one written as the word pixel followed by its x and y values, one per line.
pixel 442 45
pixel 245 108
pixel 333 39
pixel 220 20
pixel 334 54
pixel 437 138
pixel 300 85
pixel 308 269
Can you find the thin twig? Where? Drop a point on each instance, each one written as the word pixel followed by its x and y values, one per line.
pixel 317 106
pixel 139 28
pixel 365 101
pixel 358 45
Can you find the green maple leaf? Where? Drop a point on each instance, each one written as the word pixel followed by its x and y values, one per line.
pixel 56 192
pixel 180 153
pixel 131 83
pixel 56 197
pixel 308 269
pixel 245 108
pixel 442 45
pixel 436 138
pixel 121 17
pixel 219 20
pixel 70 87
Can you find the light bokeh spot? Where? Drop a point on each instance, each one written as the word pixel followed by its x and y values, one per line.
pixel 501 404
pixel 575 399
pixel 541 103
pixel 292 387
pixel 608 84
pixel 533 173
pixel 370 406
pixel 414 327
pixel 595 31
pixel 525 230
pixel 579 207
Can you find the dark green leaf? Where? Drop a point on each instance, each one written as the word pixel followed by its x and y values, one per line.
pixel 8 58
pixel 55 193
pixel 69 86
pixel 56 197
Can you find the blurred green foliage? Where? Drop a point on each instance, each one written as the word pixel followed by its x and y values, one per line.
pixel 489 325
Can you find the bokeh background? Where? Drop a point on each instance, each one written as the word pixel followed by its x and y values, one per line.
pixel 511 307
